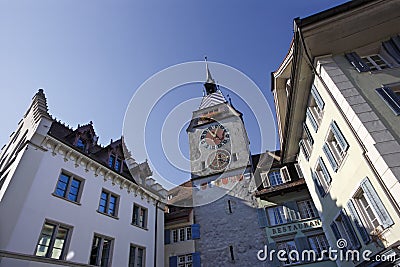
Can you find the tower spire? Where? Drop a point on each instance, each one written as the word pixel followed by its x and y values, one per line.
pixel 210 83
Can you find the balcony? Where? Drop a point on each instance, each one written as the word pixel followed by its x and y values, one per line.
pixel 281 189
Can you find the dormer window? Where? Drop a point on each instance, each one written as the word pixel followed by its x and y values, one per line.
pixel 114 163
pixel 80 144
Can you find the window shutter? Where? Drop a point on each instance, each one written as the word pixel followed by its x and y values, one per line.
pixel 167 236
pixel 285 174
pixel 173 261
pixel 265 179
pixel 309 136
pixel 304 149
pixel 392 46
pixel 301 243
pixel 357 62
pixel 312 120
pixel 356 219
pixel 350 230
pixel 330 157
pixel 391 99
pixel 376 203
pixel 292 210
pixel 339 136
pixel 327 176
pixel 262 218
pixel 318 184
pixel 298 170
pixel 317 97
pixel 196 259
pixel 195 231
pixel 335 231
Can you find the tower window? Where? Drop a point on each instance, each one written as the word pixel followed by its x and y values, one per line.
pixel 80 144
pixel 229 206
pixel 231 252
pixel 234 157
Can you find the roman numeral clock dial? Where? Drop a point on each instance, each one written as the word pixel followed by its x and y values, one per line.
pixel 214 137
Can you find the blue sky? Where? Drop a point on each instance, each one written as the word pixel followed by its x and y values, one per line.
pixel 90 56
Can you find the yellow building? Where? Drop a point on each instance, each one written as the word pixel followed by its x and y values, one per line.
pixel 337 97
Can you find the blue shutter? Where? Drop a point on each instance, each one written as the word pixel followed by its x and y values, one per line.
pixel 196 259
pixel 317 97
pixel 173 261
pixel 393 47
pixel 262 218
pixel 327 176
pixel 195 231
pixel 339 136
pixel 391 99
pixel 360 227
pixel 357 62
pixel 309 136
pixel 313 122
pixel 335 231
pixel 317 184
pixel 376 203
pixel 304 149
pixel 330 157
pixel 167 236
pixel 350 230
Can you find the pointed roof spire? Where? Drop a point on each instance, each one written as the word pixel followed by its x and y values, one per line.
pixel 209 77
pixel 210 83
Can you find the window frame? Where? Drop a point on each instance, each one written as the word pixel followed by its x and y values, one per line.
pixel 275 182
pixel 99 254
pixel 107 204
pixel 323 175
pixel 176 232
pixel 188 260
pixel 308 208
pixel 146 215
pixel 136 248
pixel 67 240
pixel 284 245
pixel 67 191
pixel 282 215
pixel 372 63
pixel 319 247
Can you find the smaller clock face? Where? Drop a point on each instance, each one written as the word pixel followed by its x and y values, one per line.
pixel 214 137
pixel 219 160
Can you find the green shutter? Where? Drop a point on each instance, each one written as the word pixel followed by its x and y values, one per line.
pixel 173 261
pixel 318 99
pixel 350 230
pixel 357 62
pixel 262 218
pixel 317 184
pixel 339 136
pixel 330 157
pixel 312 120
pixel 196 259
pixel 356 219
pixel 327 176
pixel 376 203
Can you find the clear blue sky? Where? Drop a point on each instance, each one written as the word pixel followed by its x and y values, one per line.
pixel 90 56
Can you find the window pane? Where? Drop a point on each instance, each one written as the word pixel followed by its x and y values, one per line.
pixel 117 165
pixel 94 253
pixel 111 161
pixel 44 241
pixel 105 253
pixel 140 257
pixel 135 219
pixel 62 185
pixel 132 255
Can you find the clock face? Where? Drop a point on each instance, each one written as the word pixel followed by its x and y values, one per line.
pixel 219 160
pixel 214 137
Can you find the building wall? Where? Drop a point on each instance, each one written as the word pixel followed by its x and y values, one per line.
pixel 355 166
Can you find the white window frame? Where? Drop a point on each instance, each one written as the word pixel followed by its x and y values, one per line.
pixel 185 260
pixel 135 260
pixel 318 243
pixel 288 246
pixel 307 209
pixel 140 222
pixel 373 65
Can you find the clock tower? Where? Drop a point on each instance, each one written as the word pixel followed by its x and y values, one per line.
pixel 224 206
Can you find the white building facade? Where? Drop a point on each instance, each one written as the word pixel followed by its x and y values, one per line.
pixel 61 205
pixel 337 101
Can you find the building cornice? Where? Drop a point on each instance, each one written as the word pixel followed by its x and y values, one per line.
pixel 55 146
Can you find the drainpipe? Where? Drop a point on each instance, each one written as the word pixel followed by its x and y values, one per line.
pixel 155 235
